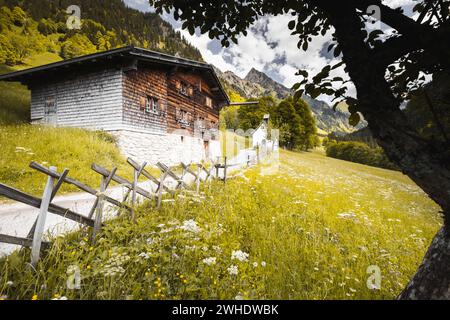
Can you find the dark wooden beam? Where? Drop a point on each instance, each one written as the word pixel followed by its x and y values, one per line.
pixel 32 201
pixel 24 242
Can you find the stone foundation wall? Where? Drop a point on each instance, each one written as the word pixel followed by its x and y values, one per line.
pixel 170 149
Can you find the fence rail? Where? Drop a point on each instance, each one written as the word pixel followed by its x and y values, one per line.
pixel 94 218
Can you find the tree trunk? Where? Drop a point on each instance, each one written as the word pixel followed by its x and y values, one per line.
pixel 432 279
pixel 417 158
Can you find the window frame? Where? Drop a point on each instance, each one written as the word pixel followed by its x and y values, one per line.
pixel 151 105
pixel 208 102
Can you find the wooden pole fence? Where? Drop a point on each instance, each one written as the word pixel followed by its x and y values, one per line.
pixel 55 180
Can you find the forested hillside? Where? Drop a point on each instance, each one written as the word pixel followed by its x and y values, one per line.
pixel 36 26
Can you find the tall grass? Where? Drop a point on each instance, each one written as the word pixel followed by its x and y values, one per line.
pixel 14 103
pixel 15 99
pixel 71 148
pixel 310 231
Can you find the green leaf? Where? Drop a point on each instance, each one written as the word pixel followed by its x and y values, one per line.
pixel 291 25
pixel 337 51
pixel 331 46
pixel 296 86
pixel 191 29
pixel 305 46
pixel 354 119
pixel 302 73
pixel 337 65
pixel 298 94
pixel 315 93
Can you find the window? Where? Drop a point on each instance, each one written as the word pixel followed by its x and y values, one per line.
pixel 50 105
pixel 208 102
pixel 50 115
pixel 151 105
pixel 184 89
pixel 184 115
pixel 200 122
pixel 184 118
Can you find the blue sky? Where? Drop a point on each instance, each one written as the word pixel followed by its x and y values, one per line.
pixel 268 47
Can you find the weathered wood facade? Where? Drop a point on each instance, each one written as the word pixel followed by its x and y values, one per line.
pixel 157 105
pixel 88 100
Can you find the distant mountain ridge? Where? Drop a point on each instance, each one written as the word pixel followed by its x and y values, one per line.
pixel 270 86
pixel 257 84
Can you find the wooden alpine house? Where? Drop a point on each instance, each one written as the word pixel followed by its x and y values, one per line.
pixel 159 107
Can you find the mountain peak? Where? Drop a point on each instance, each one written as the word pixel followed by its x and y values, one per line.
pixel 272 87
pixel 255 75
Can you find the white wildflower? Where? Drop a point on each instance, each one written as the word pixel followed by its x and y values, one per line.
pixel 346 215
pixel 9 284
pixel 255 264
pixel 239 297
pixel 239 255
pixel 144 255
pixel 191 226
pixel 233 270
pixel 263 264
pixel 210 261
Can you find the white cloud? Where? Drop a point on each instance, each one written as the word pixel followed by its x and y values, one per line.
pixel 201 42
pixel 398 3
pixel 142 5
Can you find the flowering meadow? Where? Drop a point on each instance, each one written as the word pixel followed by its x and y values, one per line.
pixel 309 231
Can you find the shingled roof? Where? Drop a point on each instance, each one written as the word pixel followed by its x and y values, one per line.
pixel 116 57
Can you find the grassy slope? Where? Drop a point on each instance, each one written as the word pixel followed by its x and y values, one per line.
pixel 318 223
pixel 70 148
pixel 14 97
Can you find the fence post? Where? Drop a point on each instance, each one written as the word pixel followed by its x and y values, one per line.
pixel 99 211
pixel 40 224
pixel 56 187
pixel 248 160
pixel 133 195
pixel 161 188
pixel 198 178
pixel 225 171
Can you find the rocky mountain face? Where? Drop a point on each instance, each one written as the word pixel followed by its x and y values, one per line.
pixel 257 84
pixel 244 88
pixel 270 86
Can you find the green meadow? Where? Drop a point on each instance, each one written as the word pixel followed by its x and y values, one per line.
pixel 71 148
pixel 310 230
